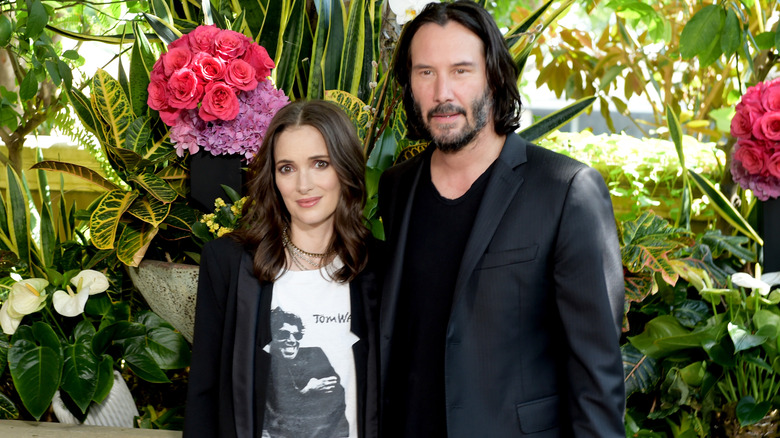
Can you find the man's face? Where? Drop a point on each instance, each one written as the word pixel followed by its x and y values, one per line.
pixel 449 84
pixel 287 340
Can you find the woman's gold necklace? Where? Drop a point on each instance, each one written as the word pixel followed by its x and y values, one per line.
pixel 298 255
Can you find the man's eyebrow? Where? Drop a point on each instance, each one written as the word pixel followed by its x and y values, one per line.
pixel 457 64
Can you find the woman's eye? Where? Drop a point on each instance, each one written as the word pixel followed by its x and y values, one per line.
pixel 285 169
pixel 321 164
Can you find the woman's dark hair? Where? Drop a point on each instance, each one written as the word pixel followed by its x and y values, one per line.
pixel 265 215
pixel 502 72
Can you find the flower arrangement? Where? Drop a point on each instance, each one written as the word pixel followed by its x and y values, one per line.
pixel 756 126
pixel 224 219
pixel 212 89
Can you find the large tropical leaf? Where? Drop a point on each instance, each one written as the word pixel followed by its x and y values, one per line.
pixel 352 58
pixel 288 59
pixel 168 348
pixel 675 132
pixel 166 31
pixel 142 60
pixel 78 171
pixel 272 27
pixel 35 360
pixel 357 111
pixel 181 216
pixel 641 372
pixel 105 219
pixel 79 375
pixel 649 241
pixel 555 120
pixel 724 208
pixel 138 135
pixel 111 105
pixel 133 242
pixel 150 210
pixel 156 187
pixel 19 217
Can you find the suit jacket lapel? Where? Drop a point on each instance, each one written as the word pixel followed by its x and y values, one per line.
pixel 505 179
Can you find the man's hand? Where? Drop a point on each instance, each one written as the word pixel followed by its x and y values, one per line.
pixel 325 384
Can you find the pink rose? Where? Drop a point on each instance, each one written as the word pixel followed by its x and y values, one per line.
pixel 752 96
pixel 220 102
pixel 176 59
pixel 258 58
pixel 185 89
pixel 769 125
pixel 158 71
pixel 170 116
pixel 202 38
pixel 742 122
pixel 751 154
pixel 773 165
pixel 240 75
pixel 230 44
pixel 207 67
pixel 181 42
pixel 158 95
pixel 770 96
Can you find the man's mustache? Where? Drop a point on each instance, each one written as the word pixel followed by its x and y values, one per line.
pixel 445 108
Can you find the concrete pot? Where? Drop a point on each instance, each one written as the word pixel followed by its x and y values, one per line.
pixel 116 410
pixel 170 290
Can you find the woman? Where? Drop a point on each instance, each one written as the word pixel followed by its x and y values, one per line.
pixel 284 327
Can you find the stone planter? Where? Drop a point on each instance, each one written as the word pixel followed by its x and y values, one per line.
pixel 116 410
pixel 170 290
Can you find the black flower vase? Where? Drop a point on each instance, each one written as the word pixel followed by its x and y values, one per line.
pixel 207 175
pixel 769 226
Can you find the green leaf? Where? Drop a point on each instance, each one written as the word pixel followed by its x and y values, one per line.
pixel 732 34
pixel 111 105
pixel 165 31
pixel 555 120
pixel 160 9
pixel 141 362
pixel 35 360
pixel 352 62
pixel 702 32
pixel 141 62
pixel 54 72
pixel 181 216
pixel 105 378
pixel 734 245
pixel 272 27
pixel 80 372
pixel 65 74
pixel 156 187
pixel 647 243
pixel 169 349
pixel 81 104
pixel 105 219
pixel 749 412
pixel 724 207
pixel 78 171
pixel 138 135
pixel 150 210
pixel 743 339
pixel 37 19
pixel 29 87
pixel 19 224
pixel 6 31
pixel 289 58
pixel 8 410
pixel 355 108
pixel 133 243
pixel 641 372
pixel 765 40
pixel 48 237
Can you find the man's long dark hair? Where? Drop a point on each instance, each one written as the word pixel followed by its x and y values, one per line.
pixel 502 72
pixel 265 215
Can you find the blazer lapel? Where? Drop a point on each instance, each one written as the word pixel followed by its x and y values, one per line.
pixel 504 182
pixel 248 297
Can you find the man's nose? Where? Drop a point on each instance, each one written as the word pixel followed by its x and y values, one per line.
pixel 442 89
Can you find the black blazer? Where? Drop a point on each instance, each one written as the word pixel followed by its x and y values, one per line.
pixel 532 343
pixel 227 380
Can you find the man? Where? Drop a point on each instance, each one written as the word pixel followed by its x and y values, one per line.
pixel 503 299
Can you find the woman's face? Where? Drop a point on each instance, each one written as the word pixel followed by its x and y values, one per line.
pixel 305 178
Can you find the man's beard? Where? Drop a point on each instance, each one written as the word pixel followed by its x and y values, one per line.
pixel 455 141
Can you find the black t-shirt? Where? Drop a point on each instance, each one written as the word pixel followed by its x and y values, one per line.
pixel 438 232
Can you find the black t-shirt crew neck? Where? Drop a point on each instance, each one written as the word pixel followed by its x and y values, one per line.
pixel 439 229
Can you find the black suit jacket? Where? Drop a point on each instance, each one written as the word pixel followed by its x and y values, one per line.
pixel 228 376
pixel 533 336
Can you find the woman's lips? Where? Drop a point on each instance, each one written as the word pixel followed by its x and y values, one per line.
pixel 308 202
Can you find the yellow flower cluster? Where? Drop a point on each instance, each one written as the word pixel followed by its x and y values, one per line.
pixel 212 222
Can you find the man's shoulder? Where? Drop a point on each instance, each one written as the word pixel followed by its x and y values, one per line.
pixel 545 160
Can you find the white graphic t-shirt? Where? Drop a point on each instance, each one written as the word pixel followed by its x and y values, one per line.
pixel 312 387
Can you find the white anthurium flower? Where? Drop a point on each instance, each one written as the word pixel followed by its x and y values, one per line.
pixel 27 296
pixel 68 303
pixel 771 278
pixel 406 10
pixel 746 280
pixel 94 280
pixel 8 322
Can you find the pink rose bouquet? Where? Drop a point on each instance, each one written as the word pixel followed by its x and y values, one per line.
pixel 756 126
pixel 212 89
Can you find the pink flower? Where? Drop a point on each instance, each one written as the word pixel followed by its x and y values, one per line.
pixel 770 96
pixel 752 97
pixel 240 75
pixel 743 121
pixel 183 42
pixel 769 125
pixel 175 59
pixel 186 133
pixel 220 102
pixel 207 67
pixel 230 44
pixel 185 89
pixel 158 95
pixel 751 154
pixel 773 165
pixel 202 38
pixel 258 58
pixel 170 116
pixel 158 71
